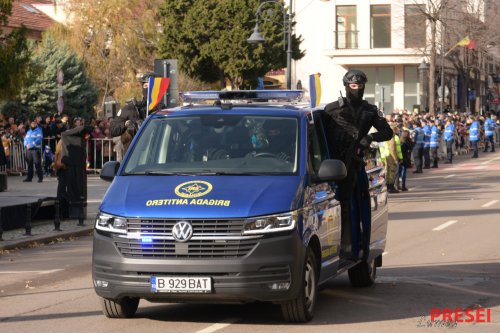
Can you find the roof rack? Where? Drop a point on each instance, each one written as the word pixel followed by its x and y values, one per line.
pixel 243 96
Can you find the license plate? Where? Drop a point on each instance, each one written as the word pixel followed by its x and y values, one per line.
pixel 171 284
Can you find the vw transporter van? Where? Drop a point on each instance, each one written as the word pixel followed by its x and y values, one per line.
pixel 229 201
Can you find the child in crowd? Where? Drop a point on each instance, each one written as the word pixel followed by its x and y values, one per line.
pixel 48 158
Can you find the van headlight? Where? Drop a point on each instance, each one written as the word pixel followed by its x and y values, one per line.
pixel 271 223
pixel 110 223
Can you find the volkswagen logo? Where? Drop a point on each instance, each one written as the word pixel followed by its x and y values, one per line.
pixel 182 231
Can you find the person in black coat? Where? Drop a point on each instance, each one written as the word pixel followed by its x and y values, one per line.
pixel 406 149
pixel 347 123
pixel 74 158
pixel 130 117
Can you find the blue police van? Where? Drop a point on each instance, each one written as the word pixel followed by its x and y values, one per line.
pixel 229 201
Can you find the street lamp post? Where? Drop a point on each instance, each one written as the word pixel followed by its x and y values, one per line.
pixel 423 68
pixel 257 38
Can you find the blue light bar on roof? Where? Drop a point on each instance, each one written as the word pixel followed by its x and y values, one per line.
pixel 255 95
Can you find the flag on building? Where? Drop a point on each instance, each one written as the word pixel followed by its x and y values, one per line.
pixel 315 89
pixel 157 86
pixel 467 43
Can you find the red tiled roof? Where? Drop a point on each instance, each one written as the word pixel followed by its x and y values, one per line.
pixel 35 21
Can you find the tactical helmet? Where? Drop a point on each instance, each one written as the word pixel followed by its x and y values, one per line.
pixel 354 76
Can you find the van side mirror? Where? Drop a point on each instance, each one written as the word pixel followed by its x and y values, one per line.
pixel 109 170
pixel 331 170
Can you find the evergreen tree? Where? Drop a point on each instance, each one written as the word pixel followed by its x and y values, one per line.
pixel 209 37
pixel 80 94
pixel 14 56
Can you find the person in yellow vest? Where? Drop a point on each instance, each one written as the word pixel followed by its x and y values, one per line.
pixel 390 154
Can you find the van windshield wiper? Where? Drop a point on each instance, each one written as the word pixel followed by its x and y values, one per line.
pixel 166 173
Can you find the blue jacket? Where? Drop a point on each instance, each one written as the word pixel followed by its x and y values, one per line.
pixel 434 137
pixel 489 127
pixel 427 136
pixel 34 138
pixel 474 131
pixel 419 137
pixel 449 132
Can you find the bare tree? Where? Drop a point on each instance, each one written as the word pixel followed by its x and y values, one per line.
pixel 477 20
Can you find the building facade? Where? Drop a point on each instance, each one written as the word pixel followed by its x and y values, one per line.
pixel 385 39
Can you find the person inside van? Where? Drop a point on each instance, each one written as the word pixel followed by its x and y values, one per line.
pixel 280 139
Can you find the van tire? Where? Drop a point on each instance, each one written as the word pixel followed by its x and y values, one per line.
pixel 125 307
pixel 301 309
pixel 363 274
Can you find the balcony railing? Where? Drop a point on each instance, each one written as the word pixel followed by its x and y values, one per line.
pixel 346 39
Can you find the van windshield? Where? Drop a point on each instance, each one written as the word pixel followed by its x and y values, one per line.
pixel 216 144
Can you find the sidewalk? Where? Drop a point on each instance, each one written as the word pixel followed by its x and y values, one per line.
pixel 42 231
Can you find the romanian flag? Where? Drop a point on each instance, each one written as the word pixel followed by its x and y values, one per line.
pixel 468 43
pixel 315 89
pixel 156 89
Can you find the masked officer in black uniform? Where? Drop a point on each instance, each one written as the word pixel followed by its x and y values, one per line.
pixel 130 117
pixel 347 123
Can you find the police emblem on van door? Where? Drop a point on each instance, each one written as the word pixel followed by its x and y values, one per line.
pixel 193 189
pixel 182 231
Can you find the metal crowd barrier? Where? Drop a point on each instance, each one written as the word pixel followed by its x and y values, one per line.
pixel 99 151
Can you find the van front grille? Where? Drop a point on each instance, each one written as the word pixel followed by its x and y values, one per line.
pixel 200 227
pixel 164 248
pixel 152 238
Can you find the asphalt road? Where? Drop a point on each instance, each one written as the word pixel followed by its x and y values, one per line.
pixel 443 252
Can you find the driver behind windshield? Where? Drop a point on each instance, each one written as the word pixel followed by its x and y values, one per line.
pixel 280 139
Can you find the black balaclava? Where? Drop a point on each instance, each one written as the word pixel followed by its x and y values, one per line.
pixel 354 96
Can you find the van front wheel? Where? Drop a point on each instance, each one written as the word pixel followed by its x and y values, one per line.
pixel 301 309
pixel 363 274
pixel 125 307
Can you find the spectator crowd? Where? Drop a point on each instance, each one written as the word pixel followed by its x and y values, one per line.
pixel 100 147
pixel 421 139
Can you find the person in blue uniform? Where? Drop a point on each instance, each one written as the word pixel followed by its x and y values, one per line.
pixel 418 151
pixel 434 143
pixel 33 146
pixel 489 134
pixel 449 138
pixel 474 137
pixel 427 144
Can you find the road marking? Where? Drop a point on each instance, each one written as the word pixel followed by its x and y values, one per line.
pixel 488 161
pixel 491 203
pixel 480 167
pixel 413 188
pixel 32 272
pixel 444 225
pixel 449 176
pixel 218 326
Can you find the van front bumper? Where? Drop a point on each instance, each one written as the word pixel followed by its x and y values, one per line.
pixel 274 260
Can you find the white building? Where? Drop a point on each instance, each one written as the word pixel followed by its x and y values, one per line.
pixel 370 35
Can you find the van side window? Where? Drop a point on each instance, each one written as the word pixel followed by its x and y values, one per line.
pixel 314 149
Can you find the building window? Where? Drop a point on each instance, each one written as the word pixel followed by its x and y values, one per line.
pixel 380 24
pixel 411 88
pixel 415 26
pixel 379 90
pixel 346 30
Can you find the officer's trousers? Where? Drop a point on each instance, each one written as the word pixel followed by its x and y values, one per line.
pixel 434 157
pixel 427 157
pixel 449 150
pixel 418 153
pixel 487 140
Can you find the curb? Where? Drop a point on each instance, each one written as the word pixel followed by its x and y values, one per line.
pixel 44 239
